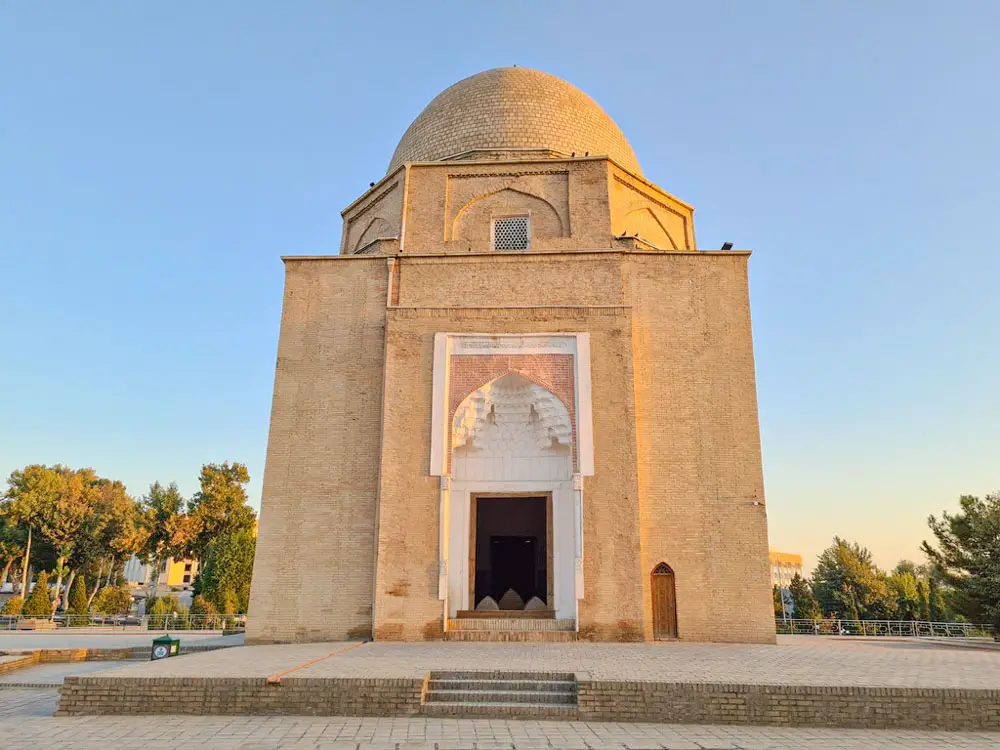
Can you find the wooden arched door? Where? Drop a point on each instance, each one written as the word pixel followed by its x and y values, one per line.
pixel 664 603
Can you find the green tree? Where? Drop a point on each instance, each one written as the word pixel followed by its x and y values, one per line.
pixel 166 529
pixel 847 583
pixel 220 505
pixel 13 606
pixel 59 500
pixel 923 603
pixel 225 577
pixel 905 590
pixel 111 533
pixel 113 600
pixel 78 601
pixel 967 557
pixel 803 600
pixel 11 547
pixel 202 606
pixel 779 610
pixel 937 609
pixel 39 604
pixel 29 490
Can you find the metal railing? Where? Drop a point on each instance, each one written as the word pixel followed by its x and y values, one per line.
pixel 887 628
pixel 129 622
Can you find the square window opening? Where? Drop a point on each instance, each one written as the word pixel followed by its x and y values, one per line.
pixel 511 233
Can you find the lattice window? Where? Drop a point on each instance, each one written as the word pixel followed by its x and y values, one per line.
pixel 511 233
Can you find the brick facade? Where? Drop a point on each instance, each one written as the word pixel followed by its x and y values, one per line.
pixel 349 532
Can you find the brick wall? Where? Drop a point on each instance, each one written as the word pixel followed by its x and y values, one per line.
pixel 313 571
pixel 699 443
pixel 406 592
pixel 240 696
pixel 790 705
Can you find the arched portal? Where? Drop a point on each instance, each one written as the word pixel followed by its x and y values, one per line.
pixel 664 602
pixel 512 510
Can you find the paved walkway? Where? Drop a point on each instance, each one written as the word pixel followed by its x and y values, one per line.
pixel 22 726
pixel 797 660
pixel 54 674
pixel 92 638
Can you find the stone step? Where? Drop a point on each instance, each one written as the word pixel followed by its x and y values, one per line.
pixel 520 697
pixel 483 614
pixel 510 636
pixel 493 675
pixel 528 625
pixel 500 710
pixel 478 683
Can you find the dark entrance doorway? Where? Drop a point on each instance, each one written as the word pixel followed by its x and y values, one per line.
pixel 511 548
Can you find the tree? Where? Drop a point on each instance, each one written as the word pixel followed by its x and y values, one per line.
pixel 847 583
pixel 166 530
pixel 220 505
pixel 112 532
pixel 29 490
pixel 923 603
pixel 905 589
pixel 967 556
pixel 78 604
pixel 779 609
pixel 224 579
pixel 53 501
pixel 13 606
pixel 11 547
pixel 937 610
pixel 802 599
pixel 113 600
pixel 39 604
pixel 202 606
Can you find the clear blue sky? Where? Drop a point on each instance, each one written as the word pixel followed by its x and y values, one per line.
pixel 156 159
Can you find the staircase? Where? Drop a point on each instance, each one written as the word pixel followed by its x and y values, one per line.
pixel 506 629
pixel 527 695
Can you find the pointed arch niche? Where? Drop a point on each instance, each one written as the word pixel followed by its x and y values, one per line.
pixel 511 418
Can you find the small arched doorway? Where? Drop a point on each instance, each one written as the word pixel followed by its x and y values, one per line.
pixel 664 603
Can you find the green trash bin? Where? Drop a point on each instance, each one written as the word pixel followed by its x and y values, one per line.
pixel 164 647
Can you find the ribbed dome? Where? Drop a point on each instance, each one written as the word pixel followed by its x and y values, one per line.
pixel 513 108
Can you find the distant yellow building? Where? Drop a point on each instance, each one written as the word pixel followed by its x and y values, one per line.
pixel 784 567
pixel 179 572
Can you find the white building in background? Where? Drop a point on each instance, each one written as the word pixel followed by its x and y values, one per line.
pixel 173 574
pixel 784 567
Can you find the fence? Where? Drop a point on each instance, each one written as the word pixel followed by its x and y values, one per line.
pixel 910 628
pixel 126 622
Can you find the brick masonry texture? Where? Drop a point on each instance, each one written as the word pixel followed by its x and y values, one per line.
pixel 805 681
pixel 348 544
pixel 676 446
pixel 313 572
pixel 512 108
pixel 784 705
pixel 241 696
pixel 680 703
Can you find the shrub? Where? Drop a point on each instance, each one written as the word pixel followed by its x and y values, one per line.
pixel 163 605
pixel 113 600
pixel 39 603
pixel 78 596
pixel 13 606
pixel 207 612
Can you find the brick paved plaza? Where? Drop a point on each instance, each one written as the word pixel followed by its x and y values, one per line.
pixel 26 715
pixel 797 660
pixel 26 723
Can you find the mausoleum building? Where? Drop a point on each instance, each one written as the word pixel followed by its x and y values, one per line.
pixel 519 403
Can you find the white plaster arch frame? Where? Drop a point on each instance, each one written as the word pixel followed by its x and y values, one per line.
pixel 553 425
